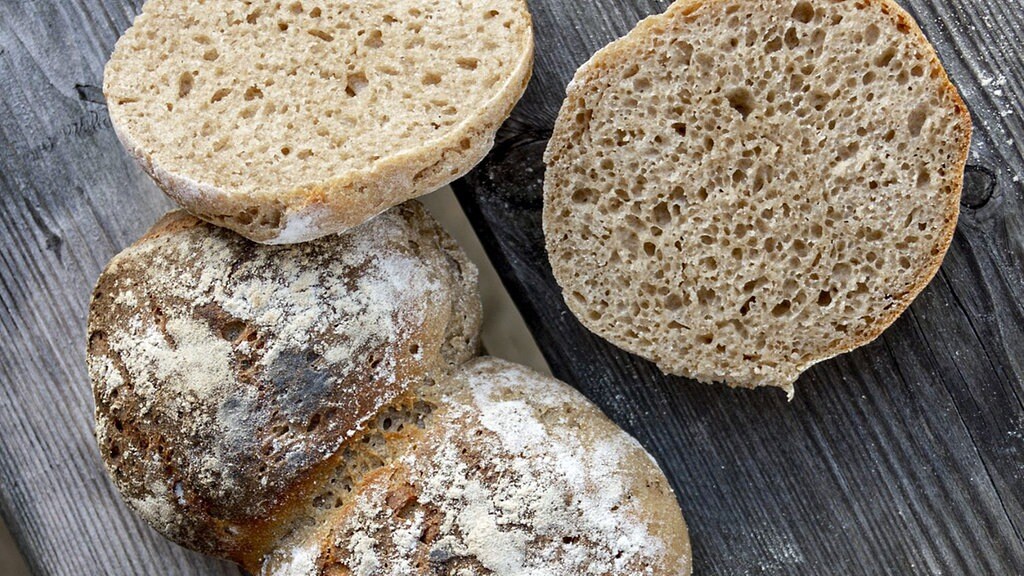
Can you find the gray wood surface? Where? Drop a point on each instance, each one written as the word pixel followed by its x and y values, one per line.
pixel 71 200
pixel 906 457
pixel 903 457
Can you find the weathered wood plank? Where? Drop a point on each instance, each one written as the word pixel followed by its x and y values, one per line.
pixel 906 456
pixel 903 457
pixel 71 200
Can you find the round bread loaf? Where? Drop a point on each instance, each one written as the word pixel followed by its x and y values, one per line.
pixel 514 473
pixel 739 189
pixel 300 410
pixel 285 121
pixel 230 377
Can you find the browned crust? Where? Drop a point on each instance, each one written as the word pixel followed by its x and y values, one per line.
pixel 457 420
pixel 243 525
pixel 593 70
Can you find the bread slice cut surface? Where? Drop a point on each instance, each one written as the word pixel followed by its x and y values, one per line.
pixel 288 120
pixel 739 189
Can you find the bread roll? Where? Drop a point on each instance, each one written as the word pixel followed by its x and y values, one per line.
pixel 227 375
pixel 739 189
pixel 300 410
pixel 285 121
pixel 514 473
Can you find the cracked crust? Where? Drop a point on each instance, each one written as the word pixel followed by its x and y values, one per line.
pixel 515 473
pixel 230 377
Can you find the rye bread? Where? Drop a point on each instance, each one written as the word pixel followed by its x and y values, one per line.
pixel 227 374
pixel 739 189
pixel 285 121
pixel 309 410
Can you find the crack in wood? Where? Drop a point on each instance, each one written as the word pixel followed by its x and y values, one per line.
pixel 90 93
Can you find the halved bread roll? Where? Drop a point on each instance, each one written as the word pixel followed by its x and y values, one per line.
pixel 739 189
pixel 285 121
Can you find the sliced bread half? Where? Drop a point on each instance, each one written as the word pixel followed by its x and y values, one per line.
pixel 739 189
pixel 286 121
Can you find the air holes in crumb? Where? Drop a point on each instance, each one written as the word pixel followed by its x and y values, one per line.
pixel 296 7
pixel 490 14
pixel 356 83
pixel 782 308
pixel 286 151
pixel 211 55
pixel 252 92
pixel 220 94
pixel 871 34
pixel 431 78
pixel 803 12
pixel 373 39
pixel 741 101
pixel 824 298
pixel 680 128
pixel 185 83
pixel 314 13
pixel 232 330
pixel 467 63
pixel 584 195
pixel 673 302
pixel 282 26
pixel 321 35
pixel 791 38
pixel 661 214
pixel 923 178
pixel 314 422
pixel 917 118
pixel 885 57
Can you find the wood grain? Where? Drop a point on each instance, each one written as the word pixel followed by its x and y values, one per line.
pixel 904 457
pixel 72 199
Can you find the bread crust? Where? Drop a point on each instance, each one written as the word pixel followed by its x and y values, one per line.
pixel 227 375
pixel 593 71
pixel 567 490
pixel 234 435
pixel 340 201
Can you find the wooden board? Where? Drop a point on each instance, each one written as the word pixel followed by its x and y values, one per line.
pixel 904 457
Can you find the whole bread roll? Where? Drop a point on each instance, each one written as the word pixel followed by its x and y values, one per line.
pixel 513 473
pixel 739 189
pixel 286 121
pixel 226 374
pixel 301 410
